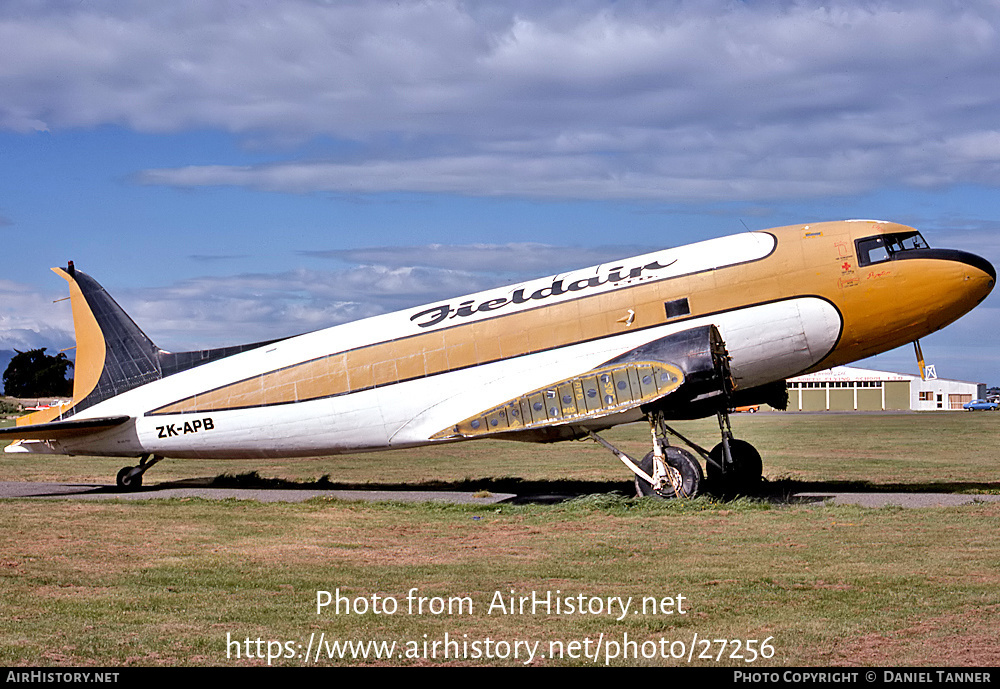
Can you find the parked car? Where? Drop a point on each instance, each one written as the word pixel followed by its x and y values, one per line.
pixel 749 409
pixel 980 405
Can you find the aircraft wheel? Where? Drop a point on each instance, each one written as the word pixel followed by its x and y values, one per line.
pixel 747 468
pixel 679 461
pixel 126 480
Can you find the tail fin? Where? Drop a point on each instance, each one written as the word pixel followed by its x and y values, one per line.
pixel 115 358
pixel 112 354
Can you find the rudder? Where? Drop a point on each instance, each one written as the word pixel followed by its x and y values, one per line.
pixel 113 355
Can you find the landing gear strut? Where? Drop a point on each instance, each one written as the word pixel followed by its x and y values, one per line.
pixel 666 472
pixel 130 478
pixel 734 466
pixel 675 472
pixel 682 473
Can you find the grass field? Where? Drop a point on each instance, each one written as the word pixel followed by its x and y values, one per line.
pixel 169 582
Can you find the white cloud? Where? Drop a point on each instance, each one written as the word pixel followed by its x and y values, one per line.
pixel 30 320
pixel 530 259
pixel 627 100
pixel 511 175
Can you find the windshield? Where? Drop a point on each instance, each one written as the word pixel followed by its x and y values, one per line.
pixel 885 247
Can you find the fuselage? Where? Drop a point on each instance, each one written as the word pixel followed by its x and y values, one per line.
pixel 786 301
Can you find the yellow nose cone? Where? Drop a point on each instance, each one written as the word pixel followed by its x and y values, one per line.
pixel 961 281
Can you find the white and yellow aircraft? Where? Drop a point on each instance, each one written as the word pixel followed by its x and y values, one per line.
pixel 680 333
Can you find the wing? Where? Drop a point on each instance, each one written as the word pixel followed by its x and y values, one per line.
pixel 688 368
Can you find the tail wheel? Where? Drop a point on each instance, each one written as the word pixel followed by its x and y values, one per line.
pixel 685 470
pixel 744 475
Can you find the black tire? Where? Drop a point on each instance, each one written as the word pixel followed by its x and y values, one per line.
pixel 126 482
pixel 691 474
pixel 748 468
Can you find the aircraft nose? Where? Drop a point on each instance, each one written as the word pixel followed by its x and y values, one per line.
pixel 959 280
pixel 991 271
pixel 979 275
pixel 980 263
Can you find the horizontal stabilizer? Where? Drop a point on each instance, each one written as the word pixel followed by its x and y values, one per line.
pixel 56 430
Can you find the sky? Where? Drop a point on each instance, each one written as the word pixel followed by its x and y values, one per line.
pixel 246 170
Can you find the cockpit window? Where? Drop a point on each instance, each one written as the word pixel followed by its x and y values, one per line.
pixel 885 247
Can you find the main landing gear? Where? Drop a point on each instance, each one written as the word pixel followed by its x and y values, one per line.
pixel 734 466
pixel 666 472
pixel 675 473
pixel 130 478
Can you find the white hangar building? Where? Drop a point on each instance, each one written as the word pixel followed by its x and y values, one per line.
pixel 846 388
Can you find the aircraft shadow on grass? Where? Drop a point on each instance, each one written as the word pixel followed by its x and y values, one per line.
pixel 780 491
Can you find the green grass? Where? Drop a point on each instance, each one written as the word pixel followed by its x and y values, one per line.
pixel 947 449
pixel 164 581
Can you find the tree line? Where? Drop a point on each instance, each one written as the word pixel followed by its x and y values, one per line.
pixel 36 374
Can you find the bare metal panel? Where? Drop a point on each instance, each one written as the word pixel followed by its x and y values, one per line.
pixel 605 391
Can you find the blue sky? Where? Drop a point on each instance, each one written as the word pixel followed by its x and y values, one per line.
pixel 236 171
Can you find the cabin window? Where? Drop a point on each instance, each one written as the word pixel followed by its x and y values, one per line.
pixel 886 247
pixel 676 308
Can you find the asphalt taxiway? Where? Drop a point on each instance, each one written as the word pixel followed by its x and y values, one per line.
pixel 85 491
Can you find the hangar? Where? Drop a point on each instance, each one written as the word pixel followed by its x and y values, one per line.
pixel 847 388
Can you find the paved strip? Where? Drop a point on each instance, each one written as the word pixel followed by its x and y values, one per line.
pixel 901 499
pixel 85 491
